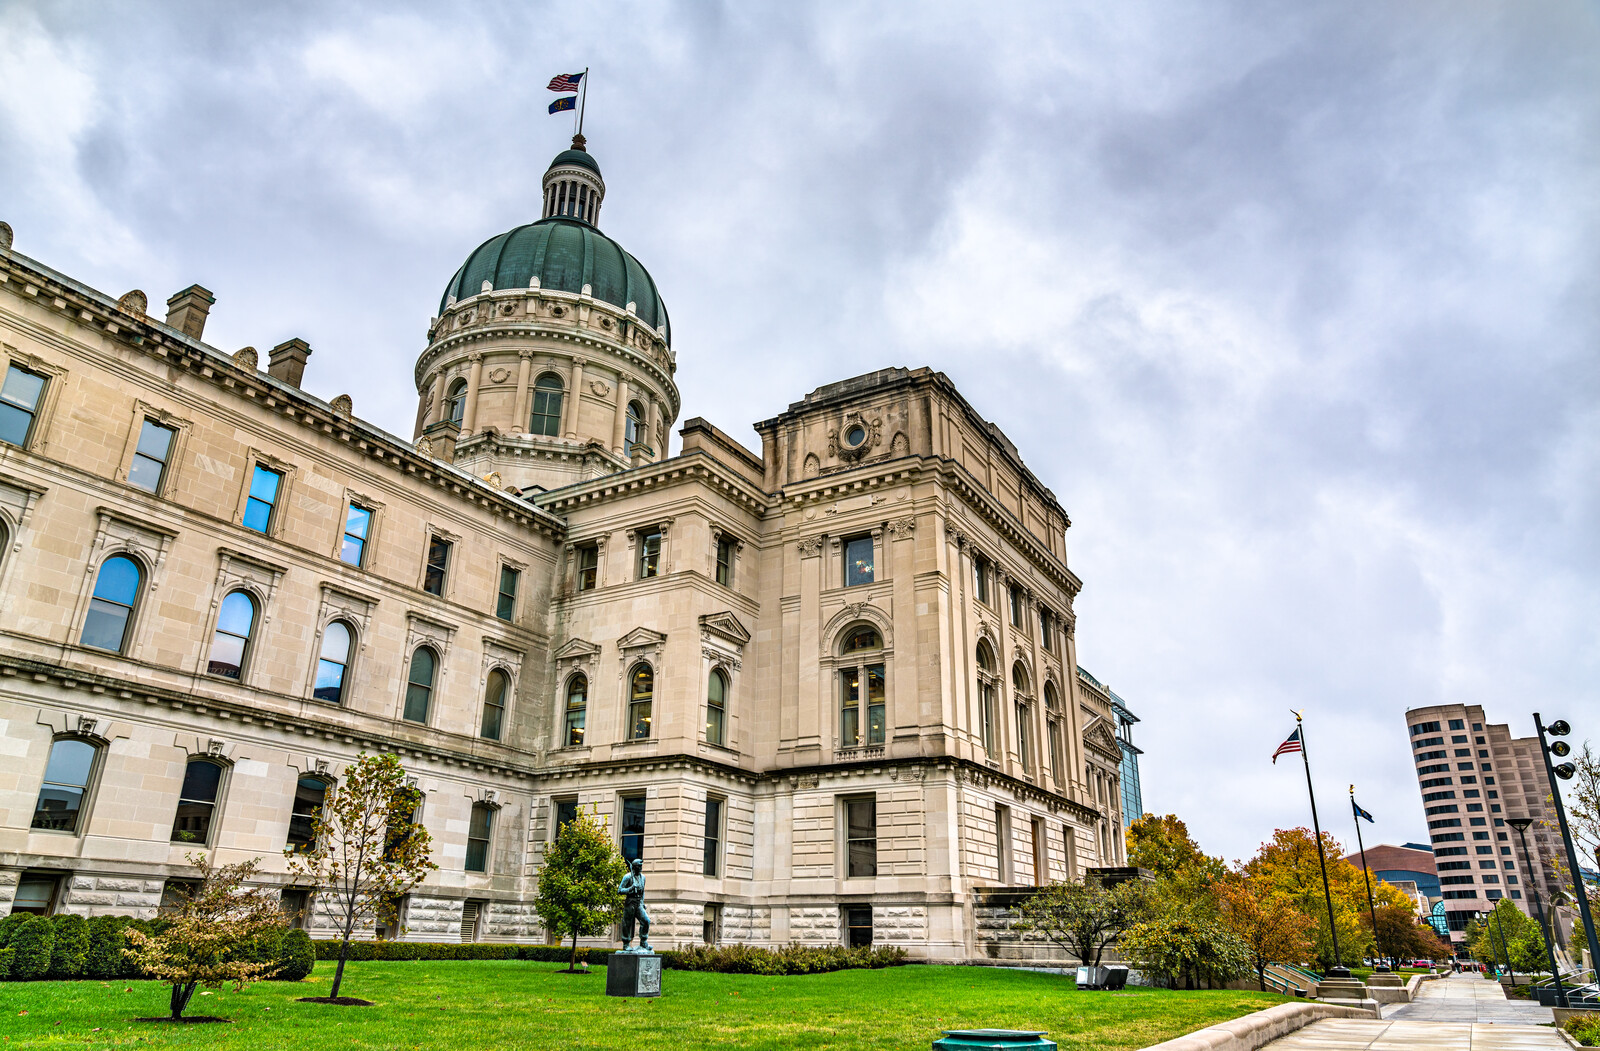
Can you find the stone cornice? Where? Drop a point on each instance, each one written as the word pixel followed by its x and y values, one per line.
pixel 695 465
pixel 81 305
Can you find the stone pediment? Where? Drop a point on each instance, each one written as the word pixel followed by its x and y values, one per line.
pixel 1099 737
pixel 641 638
pixel 726 626
pixel 576 649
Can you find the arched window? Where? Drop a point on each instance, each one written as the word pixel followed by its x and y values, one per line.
pixel 717 707
pixel 1052 704
pixel 1052 699
pixel 988 686
pixel 633 430
pixel 862 638
pixel 333 662
pixel 494 705
pixel 546 406
pixel 456 402
pixel 197 800
pixel 479 831
pixel 577 709
pixel 116 590
pixel 66 782
pixel 232 638
pixel 309 794
pixel 1020 694
pixel 419 684
pixel 862 684
pixel 641 695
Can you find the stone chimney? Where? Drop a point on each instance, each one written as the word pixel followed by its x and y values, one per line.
pixel 287 361
pixel 439 440
pixel 187 310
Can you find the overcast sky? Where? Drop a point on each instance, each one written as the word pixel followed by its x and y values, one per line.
pixel 1294 306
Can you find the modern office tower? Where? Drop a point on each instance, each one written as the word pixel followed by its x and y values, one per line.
pixel 1473 775
pixel 1132 795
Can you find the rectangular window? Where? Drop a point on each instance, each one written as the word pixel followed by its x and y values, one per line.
pixel 649 553
pixel 980 578
pixel 19 404
pixel 632 828
pixel 264 485
pixel 357 524
pixel 478 830
pixel 1016 606
pixel 506 605
pixel 725 561
pixel 150 457
pixel 858 565
pixel 713 847
pixel 294 906
pixel 1457 724
pixel 858 926
pixel 1046 626
pixel 850 700
pixel 1041 860
pixel 711 924
pixel 861 836
pixel 566 810
pixel 1002 844
pixel 438 565
pixel 588 574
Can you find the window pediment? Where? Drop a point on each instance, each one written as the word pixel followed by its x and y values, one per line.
pixel 641 639
pixel 725 626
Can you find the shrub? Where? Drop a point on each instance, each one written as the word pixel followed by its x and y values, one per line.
pixel 1585 1030
pixel 9 925
pixel 786 959
pixel 106 943
pixel 297 957
pixel 71 948
pixel 30 946
pixel 5 964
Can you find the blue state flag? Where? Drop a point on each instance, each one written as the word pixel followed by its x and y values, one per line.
pixel 1359 811
pixel 570 102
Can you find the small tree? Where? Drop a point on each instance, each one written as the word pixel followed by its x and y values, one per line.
pixel 209 938
pixel 1185 946
pixel 366 850
pixel 1267 921
pixel 578 884
pixel 1082 918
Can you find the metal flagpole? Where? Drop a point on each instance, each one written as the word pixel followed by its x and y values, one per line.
pixel 583 97
pixel 1338 970
pixel 1367 879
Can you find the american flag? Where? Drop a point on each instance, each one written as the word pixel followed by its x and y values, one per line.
pixel 1291 745
pixel 565 81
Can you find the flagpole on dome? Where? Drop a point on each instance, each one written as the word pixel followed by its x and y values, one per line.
pixel 1356 814
pixel 583 97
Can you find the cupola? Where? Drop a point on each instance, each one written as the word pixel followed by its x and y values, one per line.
pixel 572 185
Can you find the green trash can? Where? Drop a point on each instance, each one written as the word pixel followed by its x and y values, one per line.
pixel 993 1040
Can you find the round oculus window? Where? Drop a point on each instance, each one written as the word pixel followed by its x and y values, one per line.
pixel 855 436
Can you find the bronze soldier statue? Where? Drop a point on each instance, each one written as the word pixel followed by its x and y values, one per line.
pixel 632 890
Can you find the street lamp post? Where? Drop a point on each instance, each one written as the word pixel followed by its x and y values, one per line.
pixel 1560 749
pixel 1521 825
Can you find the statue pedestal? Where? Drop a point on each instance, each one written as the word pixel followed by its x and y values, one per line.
pixel 630 973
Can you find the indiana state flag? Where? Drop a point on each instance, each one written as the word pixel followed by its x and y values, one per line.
pixel 570 102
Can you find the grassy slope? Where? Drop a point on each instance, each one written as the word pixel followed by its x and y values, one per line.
pixel 509 1005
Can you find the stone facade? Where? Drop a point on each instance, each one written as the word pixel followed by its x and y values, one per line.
pixel 682 636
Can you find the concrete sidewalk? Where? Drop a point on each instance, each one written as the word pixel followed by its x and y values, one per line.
pixel 1466 1013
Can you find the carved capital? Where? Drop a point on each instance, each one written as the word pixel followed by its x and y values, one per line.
pixel 810 547
pixel 902 528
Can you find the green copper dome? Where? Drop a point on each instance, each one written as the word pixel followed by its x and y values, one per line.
pixel 579 157
pixel 564 254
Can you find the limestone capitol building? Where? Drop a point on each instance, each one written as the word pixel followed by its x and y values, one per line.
pixel 827 691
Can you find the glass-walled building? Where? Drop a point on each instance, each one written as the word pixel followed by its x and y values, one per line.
pixel 1132 797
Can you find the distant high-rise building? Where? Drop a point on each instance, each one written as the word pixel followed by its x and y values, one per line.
pixel 1473 775
pixel 1132 796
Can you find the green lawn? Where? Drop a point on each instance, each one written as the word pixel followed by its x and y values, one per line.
pixel 462 1006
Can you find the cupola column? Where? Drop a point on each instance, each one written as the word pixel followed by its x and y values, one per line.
pixel 619 426
pixel 470 416
pixel 522 418
pixel 575 400
pixel 435 403
pixel 654 416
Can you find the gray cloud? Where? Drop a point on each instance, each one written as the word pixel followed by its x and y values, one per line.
pixel 1294 308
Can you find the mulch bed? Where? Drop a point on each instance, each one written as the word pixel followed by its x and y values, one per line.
pixel 187 1019
pixel 342 1001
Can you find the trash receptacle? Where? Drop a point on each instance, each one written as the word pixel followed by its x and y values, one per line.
pixel 993 1040
pixel 1116 977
